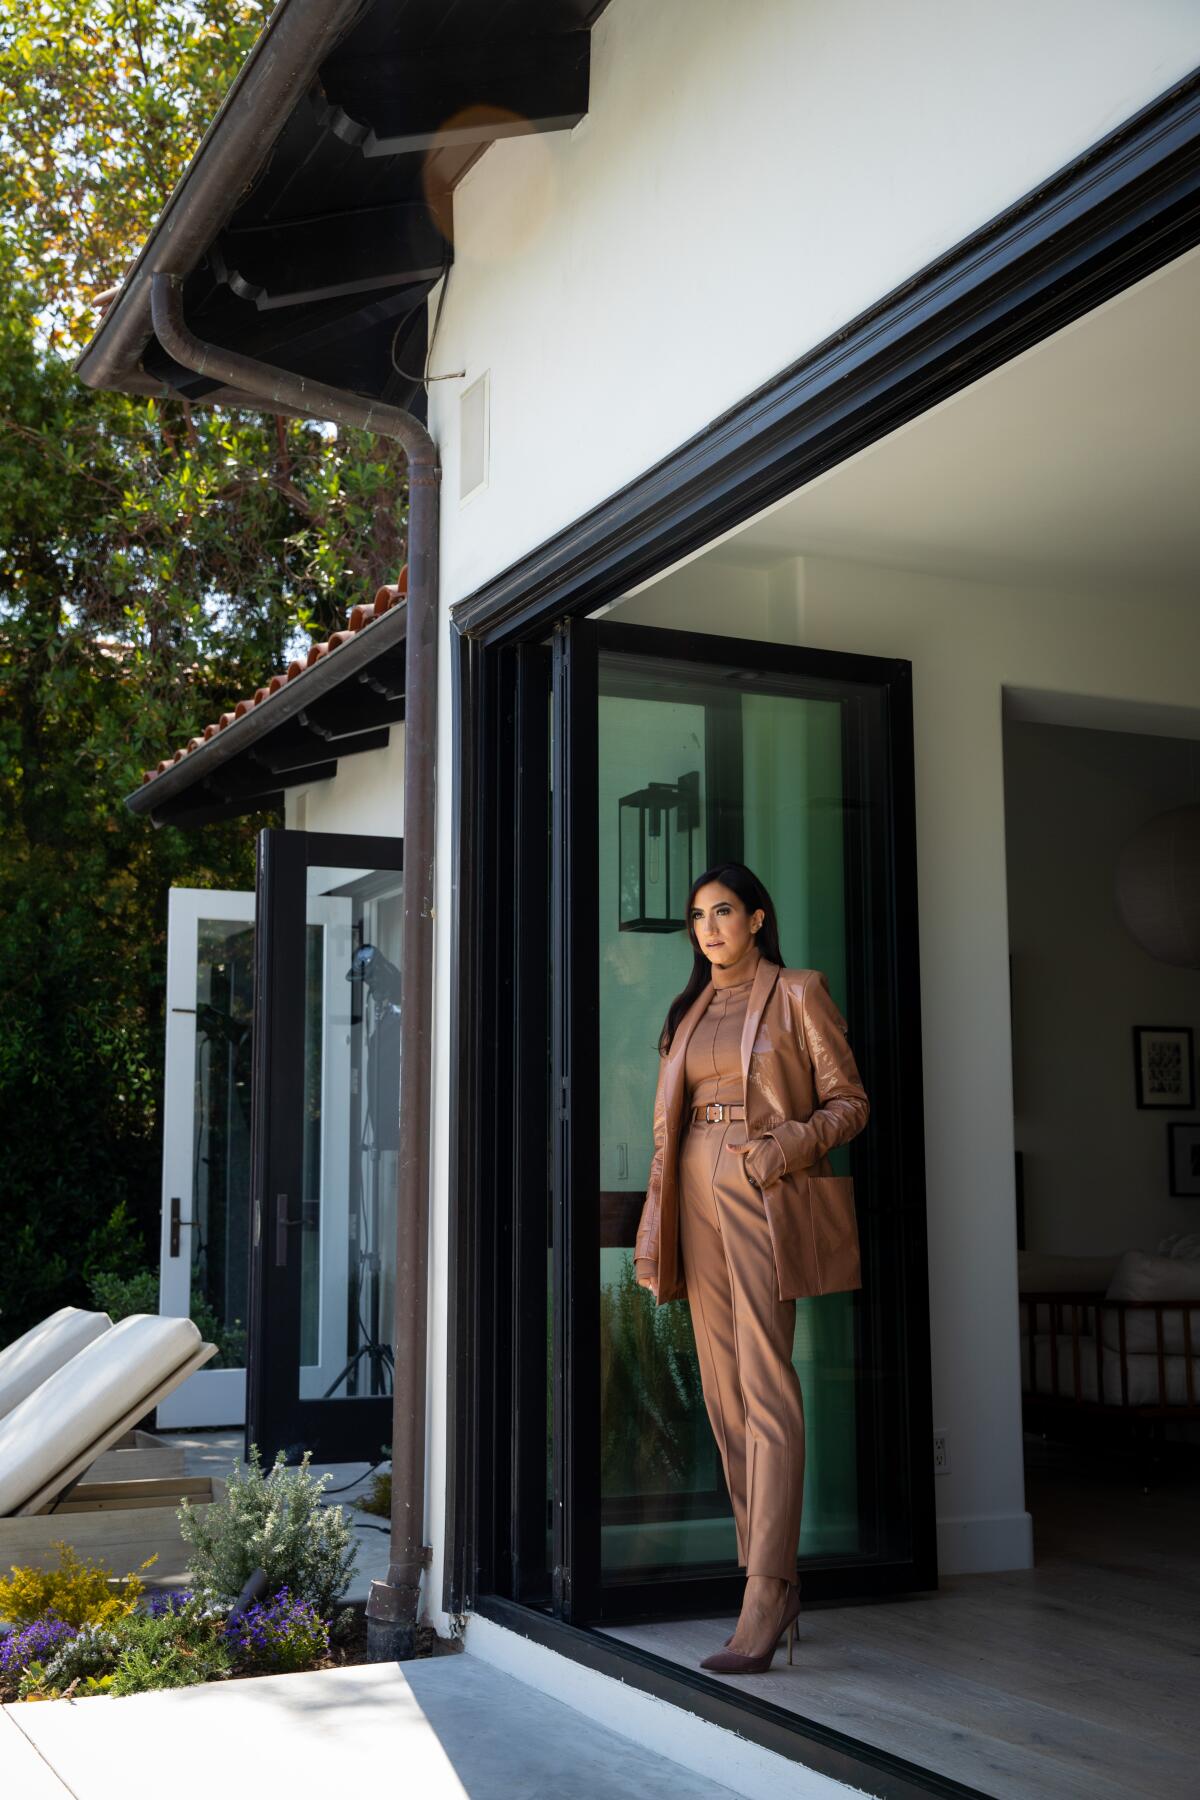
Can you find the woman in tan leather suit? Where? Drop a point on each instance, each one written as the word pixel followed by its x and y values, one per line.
pixel 743 1214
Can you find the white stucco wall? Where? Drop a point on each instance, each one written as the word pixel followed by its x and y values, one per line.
pixel 365 796
pixel 747 179
pixel 967 641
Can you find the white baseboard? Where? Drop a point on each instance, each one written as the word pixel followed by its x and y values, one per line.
pixel 985 1544
pixel 670 1731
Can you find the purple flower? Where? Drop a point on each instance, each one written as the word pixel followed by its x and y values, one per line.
pixel 168 1601
pixel 279 1633
pixel 36 1642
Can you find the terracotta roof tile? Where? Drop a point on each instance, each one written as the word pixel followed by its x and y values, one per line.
pixel 360 616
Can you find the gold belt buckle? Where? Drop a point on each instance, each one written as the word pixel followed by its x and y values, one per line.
pixel 720 1106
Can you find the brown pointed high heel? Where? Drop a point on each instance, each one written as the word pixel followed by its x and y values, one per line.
pixel 734 1662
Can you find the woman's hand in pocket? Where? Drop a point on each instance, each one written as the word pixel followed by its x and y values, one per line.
pixel 765 1161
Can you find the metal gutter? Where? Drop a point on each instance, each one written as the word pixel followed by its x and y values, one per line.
pixel 392 1605
pixel 286 56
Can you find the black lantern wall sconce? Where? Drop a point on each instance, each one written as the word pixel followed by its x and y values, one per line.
pixel 658 826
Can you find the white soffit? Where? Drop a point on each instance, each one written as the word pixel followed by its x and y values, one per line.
pixel 1076 462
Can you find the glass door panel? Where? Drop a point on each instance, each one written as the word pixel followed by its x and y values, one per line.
pixel 327 1139
pixel 205 1241
pixel 763 777
pixel 680 751
pixel 352 1132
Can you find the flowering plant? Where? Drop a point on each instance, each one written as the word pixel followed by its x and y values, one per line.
pixel 282 1634
pixel 35 1642
pixel 85 1657
pixel 79 1591
pixel 167 1600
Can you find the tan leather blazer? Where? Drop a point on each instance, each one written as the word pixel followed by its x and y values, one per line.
pixel 802 1088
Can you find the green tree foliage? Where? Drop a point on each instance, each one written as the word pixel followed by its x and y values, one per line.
pixel 156 563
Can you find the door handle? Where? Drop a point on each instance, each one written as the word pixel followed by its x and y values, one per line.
pixel 177 1223
pixel 282 1225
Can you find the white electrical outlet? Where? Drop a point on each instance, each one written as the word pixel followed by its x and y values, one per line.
pixel 941 1453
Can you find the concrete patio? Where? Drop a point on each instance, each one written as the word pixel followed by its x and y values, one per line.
pixel 447 1726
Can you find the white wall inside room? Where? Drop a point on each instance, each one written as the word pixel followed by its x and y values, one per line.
pixel 365 796
pixel 967 641
pixel 1095 1167
pixel 747 180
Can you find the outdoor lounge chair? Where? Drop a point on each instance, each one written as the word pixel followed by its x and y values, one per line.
pixel 27 1362
pixel 51 1440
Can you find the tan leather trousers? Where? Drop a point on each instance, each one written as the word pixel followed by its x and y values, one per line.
pixel 743 1334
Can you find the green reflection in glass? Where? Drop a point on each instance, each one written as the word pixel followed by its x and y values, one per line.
pixel 777 762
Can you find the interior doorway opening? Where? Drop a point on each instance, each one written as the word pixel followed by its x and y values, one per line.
pixel 1100 800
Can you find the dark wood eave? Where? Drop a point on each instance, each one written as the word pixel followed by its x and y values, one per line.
pixel 315 216
pixel 342 706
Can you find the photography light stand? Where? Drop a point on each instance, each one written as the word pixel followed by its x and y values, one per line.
pixel 381 989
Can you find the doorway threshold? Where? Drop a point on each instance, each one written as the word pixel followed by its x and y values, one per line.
pixel 601 1672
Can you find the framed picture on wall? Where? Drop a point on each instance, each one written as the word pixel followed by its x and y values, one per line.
pixel 1162 1056
pixel 1184 1142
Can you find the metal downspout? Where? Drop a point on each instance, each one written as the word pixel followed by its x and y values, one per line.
pixel 392 1605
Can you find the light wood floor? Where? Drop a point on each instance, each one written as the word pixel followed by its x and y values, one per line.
pixel 1078 1679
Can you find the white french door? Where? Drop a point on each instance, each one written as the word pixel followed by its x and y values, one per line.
pixel 204 1250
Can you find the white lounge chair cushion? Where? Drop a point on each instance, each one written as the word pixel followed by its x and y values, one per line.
pixel 83 1399
pixel 26 1363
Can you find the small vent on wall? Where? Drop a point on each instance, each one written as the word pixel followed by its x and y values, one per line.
pixel 473 429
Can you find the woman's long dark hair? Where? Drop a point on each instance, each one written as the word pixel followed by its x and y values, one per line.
pixel 754 896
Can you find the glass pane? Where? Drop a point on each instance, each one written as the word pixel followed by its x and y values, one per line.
pixel 762 774
pixel 351 1127
pixel 221 1138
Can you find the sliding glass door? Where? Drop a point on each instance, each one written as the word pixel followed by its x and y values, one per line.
pixel 663 754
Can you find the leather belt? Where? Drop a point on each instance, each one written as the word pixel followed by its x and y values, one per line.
pixel 717 1111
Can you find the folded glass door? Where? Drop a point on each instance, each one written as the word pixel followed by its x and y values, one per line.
pixel 326 1144
pixel 204 1258
pixel 673 752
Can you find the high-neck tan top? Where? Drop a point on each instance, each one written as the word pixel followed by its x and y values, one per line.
pixel 713 1059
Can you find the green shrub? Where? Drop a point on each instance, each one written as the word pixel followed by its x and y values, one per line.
pixel 120 1295
pixel 176 1648
pixel 378 1497
pixel 274 1522
pixel 173 1649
